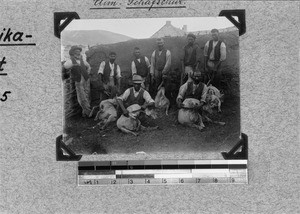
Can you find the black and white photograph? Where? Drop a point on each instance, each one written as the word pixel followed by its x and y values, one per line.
pixel 151 85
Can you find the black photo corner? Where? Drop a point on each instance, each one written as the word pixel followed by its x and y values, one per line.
pixel 239 151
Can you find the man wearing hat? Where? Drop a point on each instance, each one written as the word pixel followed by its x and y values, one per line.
pixel 140 66
pixel 110 74
pixel 214 55
pixel 80 70
pixel 194 89
pixel 160 64
pixel 135 95
pixel 191 57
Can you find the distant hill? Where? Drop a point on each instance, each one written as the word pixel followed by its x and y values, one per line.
pixel 92 37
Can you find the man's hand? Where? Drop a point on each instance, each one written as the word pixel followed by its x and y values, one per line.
pixel 126 113
pixel 144 106
pixel 101 87
pixel 105 86
pixel 73 65
pixel 217 66
pixel 179 102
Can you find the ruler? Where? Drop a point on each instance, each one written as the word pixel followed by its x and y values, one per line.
pixel 162 172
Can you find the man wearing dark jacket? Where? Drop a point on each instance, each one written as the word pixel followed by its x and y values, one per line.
pixel 160 64
pixel 191 57
pixel 140 66
pixel 110 75
pixel 214 55
pixel 80 70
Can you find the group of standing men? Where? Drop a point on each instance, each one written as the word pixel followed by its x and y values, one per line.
pixel 149 75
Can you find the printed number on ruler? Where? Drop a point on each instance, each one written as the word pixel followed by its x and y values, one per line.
pixel 130 181
pixel 4 96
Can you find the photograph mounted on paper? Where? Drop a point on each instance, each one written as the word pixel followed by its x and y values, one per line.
pixel 151 85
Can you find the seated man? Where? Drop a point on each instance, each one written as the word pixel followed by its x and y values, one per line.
pixel 135 95
pixel 195 89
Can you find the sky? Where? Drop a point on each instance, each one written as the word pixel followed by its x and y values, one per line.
pixel 140 28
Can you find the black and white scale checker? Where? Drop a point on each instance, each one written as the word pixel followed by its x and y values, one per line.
pixel 162 172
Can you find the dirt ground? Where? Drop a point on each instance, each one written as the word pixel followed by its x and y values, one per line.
pixel 171 137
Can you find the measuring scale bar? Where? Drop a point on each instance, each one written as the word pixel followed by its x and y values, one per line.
pixel 162 172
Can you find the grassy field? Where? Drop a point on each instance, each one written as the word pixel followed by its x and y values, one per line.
pixel 171 137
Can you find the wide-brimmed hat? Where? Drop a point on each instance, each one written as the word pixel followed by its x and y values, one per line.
pixel 134 108
pixel 73 49
pixel 137 79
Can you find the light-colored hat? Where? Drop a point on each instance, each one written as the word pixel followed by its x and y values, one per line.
pixel 137 79
pixel 133 108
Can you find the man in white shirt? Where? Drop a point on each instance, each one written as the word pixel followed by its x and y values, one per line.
pixel 160 64
pixel 140 66
pixel 109 75
pixel 214 55
pixel 80 71
pixel 135 95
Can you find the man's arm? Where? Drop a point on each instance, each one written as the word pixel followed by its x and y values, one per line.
pixel 119 77
pixel 148 100
pixel 168 63
pixel 222 55
pixel 120 100
pixel 148 67
pixel 223 52
pixel 152 67
pixel 152 63
pixel 125 111
pixel 133 68
pixel 147 62
pixel 68 64
pixel 100 74
pixel 87 65
pixel 101 68
pixel 203 95
pixel 205 55
pixel 198 56
pixel 181 93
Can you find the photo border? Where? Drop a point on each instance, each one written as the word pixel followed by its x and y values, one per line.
pixel 239 151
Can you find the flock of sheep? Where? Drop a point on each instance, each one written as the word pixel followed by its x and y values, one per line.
pixel 187 114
